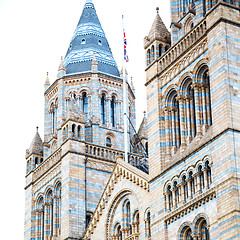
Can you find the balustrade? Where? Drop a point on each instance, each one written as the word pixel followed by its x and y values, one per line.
pixel 182 45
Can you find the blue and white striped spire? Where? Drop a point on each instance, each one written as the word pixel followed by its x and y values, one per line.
pixel 89 37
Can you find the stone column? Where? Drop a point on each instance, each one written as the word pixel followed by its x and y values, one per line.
pixel 205 176
pixel 108 111
pixel 174 189
pixel 182 187
pixel 189 187
pixel 167 200
pixel 198 180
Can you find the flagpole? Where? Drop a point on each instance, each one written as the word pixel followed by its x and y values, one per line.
pixel 125 103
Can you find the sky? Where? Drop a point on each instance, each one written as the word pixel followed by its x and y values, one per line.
pixel 33 37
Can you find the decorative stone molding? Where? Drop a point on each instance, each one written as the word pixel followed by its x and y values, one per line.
pixel 190 206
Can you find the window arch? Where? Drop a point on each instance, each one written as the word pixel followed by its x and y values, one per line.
pixel 118 232
pixel 103 106
pixel 85 104
pixel 136 222
pixel 148 224
pixel 152 56
pixel 108 142
pixel 187 234
pixel 88 218
pixel 49 211
pixel 172 123
pixel 40 217
pixel 53 113
pixel 113 111
pixel 148 61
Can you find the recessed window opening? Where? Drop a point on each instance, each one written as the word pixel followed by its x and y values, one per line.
pixel 99 42
pixel 83 41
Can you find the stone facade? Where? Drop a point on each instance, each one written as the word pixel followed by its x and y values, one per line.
pixel 191 191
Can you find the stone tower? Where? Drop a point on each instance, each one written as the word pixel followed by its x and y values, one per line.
pixel 193 118
pixel 83 135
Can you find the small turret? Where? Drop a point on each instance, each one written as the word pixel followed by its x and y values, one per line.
pixel 34 155
pixel 47 82
pixel 61 69
pixel 158 40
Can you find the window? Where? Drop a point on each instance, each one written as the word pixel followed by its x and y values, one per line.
pixel 83 41
pixel 148 225
pixel 103 109
pixel 108 142
pixel 85 105
pixel 113 111
pixel 119 232
pixel 100 42
pixel 88 218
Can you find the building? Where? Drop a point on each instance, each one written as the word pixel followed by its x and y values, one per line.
pixel 83 135
pixel 193 133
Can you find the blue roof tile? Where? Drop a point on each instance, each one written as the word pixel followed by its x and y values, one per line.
pixel 88 37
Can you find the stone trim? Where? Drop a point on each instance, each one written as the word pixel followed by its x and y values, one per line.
pixel 190 206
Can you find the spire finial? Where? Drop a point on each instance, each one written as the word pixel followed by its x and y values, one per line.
pixel 157 8
pixel 88 1
pixel 37 129
pixel 144 113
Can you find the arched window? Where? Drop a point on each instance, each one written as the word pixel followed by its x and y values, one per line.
pixel 136 222
pixel 128 218
pixel 208 98
pixel 57 209
pixel 79 132
pixel 152 54
pixel 191 185
pixel 53 112
pixel 113 111
pixel 88 218
pixel 73 130
pixel 188 234
pixel 203 231
pixel 103 103
pixel 172 123
pixel 39 218
pixel 49 211
pixel 200 172
pixel 119 232
pixel 160 50
pixel 85 105
pixel 148 224
pixel 148 57
pixel 108 142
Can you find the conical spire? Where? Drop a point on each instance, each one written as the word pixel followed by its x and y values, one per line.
pixel 88 37
pixel 36 146
pixel 158 28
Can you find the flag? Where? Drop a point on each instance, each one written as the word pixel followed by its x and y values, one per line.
pixel 125 45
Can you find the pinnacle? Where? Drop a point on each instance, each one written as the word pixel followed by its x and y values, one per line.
pixel 158 27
